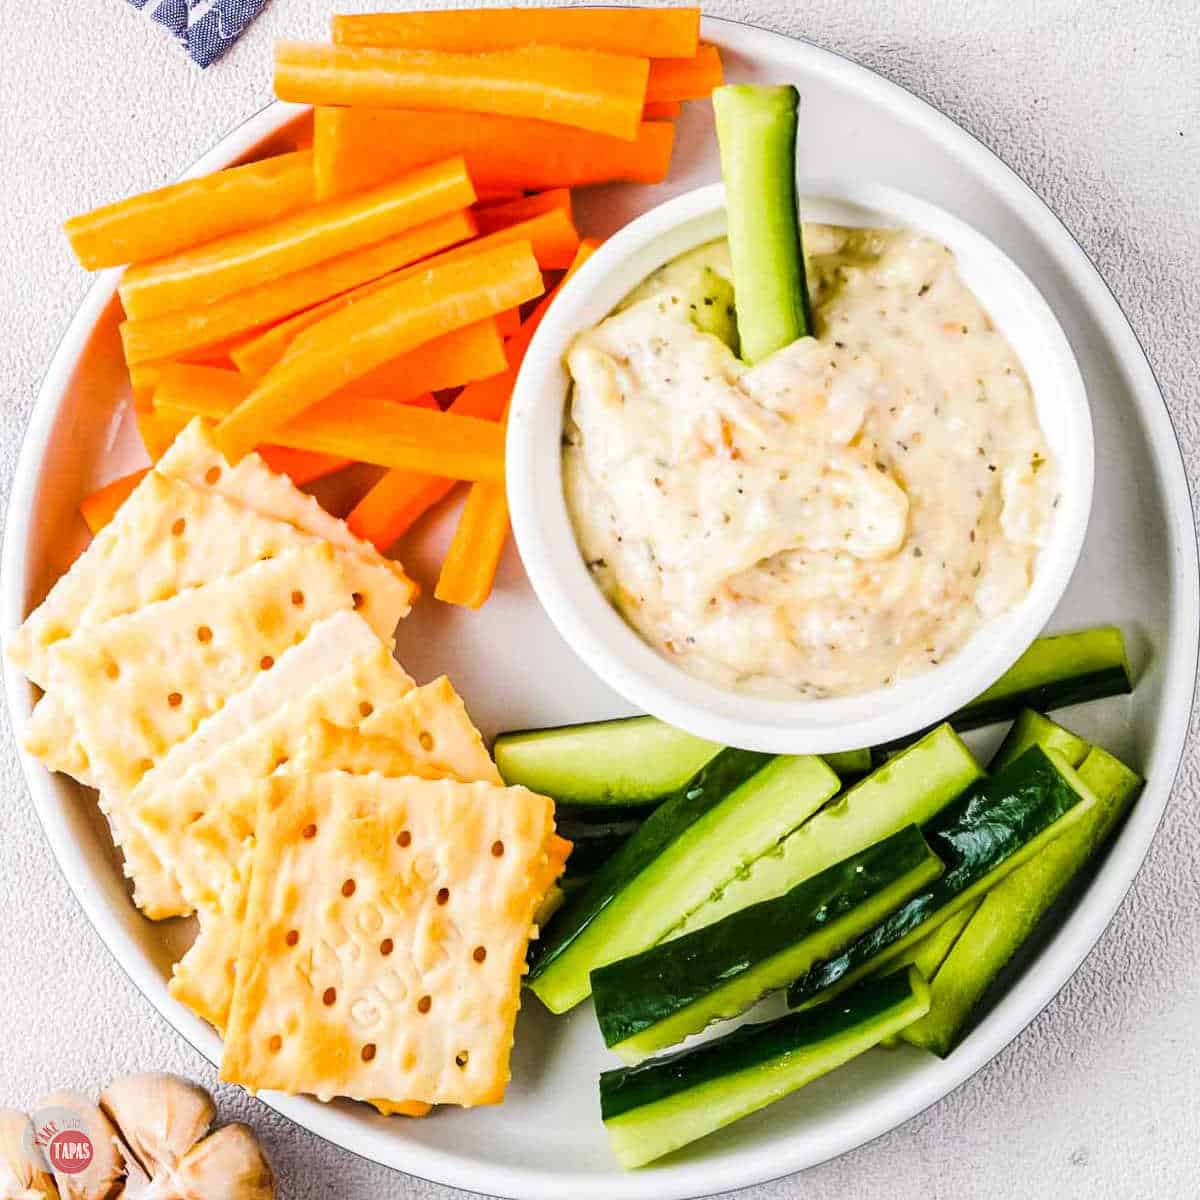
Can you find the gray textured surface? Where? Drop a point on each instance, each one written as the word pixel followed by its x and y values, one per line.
pixel 1095 103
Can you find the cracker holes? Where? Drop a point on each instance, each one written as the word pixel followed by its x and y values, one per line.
pixel 266 663
pixel 175 699
pixel 404 839
pixel 297 598
pixel 178 526
pixel 292 937
pixel 443 896
pixel 281 761
pixel 203 635
pixel 329 997
pixel 348 888
pixel 386 947
pixel 212 475
pixel 461 1059
pixel 497 849
pixel 365 709
pixel 112 670
pixel 479 953
pixel 426 740
pixel 275 1044
pixel 309 832
pixel 424 1004
pixel 358 600
pixel 368 1052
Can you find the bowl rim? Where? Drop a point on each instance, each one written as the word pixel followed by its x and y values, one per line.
pixel 616 652
pixel 1059 960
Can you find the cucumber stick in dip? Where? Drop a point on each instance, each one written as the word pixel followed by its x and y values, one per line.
pixel 1012 909
pixel 665 994
pixel 733 811
pixel 756 130
pixel 909 789
pixel 665 1103
pixel 996 827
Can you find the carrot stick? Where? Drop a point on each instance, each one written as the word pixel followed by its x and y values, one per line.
pixel 552 236
pixel 185 214
pixel 508 322
pixel 363 429
pixel 144 376
pixel 662 110
pixel 469 569
pixel 496 195
pixel 584 88
pixel 492 217
pixel 452 360
pixel 175 333
pixel 101 506
pixel 246 260
pixel 357 148
pixel 685 78
pixel 391 507
pixel 159 429
pixel 660 32
pixel 307 466
pixel 395 319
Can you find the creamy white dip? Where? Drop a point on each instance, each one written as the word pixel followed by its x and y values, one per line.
pixel 841 515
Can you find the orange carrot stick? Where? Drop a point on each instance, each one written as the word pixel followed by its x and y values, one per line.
pixel 584 88
pixel 175 333
pixel 491 217
pixel 660 32
pixel 357 148
pixel 662 110
pixel 101 506
pixel 158 429
pixel 552 236
pixel 143 376
pixel 469 569
pixel 246 260
pixel 452 360
pixel 393 505
pixel 362 429
pixel 347 344
pixel 685 78
pixel 185 214
pixel 496 195
pixel 508 322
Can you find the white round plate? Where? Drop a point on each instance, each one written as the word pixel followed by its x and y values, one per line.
pixel 1138 569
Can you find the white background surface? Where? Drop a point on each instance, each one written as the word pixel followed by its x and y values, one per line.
pixel 1096 104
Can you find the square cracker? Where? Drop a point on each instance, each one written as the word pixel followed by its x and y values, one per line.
pixel 169 536
pixel 385 937
pixel 209 815
pixel 137 685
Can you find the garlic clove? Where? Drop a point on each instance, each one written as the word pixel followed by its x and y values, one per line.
pixel 23 1175
pixel 160 1117
pixel 227 1165
pixel 101 1179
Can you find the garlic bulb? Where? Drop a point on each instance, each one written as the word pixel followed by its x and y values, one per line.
pixel 161 1117
pixel 22 1174
pixel 227 1165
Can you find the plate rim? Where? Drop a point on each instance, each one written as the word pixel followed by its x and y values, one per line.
pixel 1073 941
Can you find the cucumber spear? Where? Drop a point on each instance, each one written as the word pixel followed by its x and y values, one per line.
pixel 756 130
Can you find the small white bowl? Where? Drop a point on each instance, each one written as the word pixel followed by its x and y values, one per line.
pixel 613 650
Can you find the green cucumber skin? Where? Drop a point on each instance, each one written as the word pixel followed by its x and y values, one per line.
pixel 930 952
pixel 1032 729
pixel 735 808
pixel 667 1102
pixel 629 761
pixel 1011 911
pixel 756 133
pixel 849 762
pixel 703 968
pixel 975 837
pixel 906 790
pixel 1048 676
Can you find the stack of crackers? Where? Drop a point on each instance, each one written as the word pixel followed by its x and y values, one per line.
pixel 218 665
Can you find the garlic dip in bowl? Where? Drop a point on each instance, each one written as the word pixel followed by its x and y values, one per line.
pixel 837 546
pixel 841 515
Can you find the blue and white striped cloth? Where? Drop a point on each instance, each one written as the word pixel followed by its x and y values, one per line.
pixel 205 28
